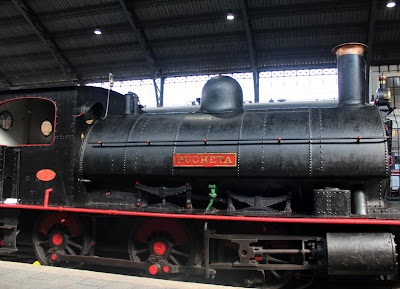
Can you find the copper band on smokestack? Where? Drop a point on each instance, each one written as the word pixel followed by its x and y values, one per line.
pixel 351 73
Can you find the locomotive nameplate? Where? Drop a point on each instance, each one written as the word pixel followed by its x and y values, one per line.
pixel 207 160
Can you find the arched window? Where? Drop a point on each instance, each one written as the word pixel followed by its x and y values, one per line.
pixel 27 121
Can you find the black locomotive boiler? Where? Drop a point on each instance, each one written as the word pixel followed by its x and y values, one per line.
pixel 272 191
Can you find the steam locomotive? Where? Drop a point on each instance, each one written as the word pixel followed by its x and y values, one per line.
pixel 269 191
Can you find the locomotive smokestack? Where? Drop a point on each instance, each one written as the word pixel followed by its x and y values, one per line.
pixel 351 73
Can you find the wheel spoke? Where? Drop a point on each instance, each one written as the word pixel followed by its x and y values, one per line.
pixel 276 275
pixel 76 245
pixel 176 252
pixel 45 242
pixel 69 250
pixel 138 252
pixel 174 260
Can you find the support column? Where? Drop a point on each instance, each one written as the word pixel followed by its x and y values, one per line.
pixel 370 43
pixel 256 81
pixel 161 98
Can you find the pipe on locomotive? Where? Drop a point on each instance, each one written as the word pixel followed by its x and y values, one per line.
pixel 351 73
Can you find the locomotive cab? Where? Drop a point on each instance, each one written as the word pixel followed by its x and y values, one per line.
pixel 27 121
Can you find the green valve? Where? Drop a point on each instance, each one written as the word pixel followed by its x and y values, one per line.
pixel 212 195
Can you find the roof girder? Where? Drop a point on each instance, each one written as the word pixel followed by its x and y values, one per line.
pixel 139 34
pixel 250 48
pixel 44 36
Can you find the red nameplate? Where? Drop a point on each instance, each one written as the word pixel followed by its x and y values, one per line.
pixel 205 160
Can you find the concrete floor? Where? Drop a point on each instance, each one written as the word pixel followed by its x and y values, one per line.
pixel 26 276
pixel 15 275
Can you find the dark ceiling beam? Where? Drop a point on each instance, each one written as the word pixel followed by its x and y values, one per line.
pixel 189 72
pixel 88 79
pixel 387 24
pixel 11 21
pixel 141 63
pixel 221 37
pixel 68 34
pixel 298 53
pixel 139 34
pixel 280 10
pixel 125 27
pixel 200 71
pixel 153 3
pixel 379 46
pixel 101 49
pixel 127 46
pixel 85 32
pixel 115 6
pixel 272 54
pixel 72 12
pixel 250 48
pixel 316 51
pixel 317 6
pixel 44 36
pixel 25 40
pixel 392 61
pixel 387 44
pixel 186 20
pixel 238 36
pixel 328 28
pixel 81 11
pixel 113 66
pixel 370 42
pixel 193 19
pixel 132 18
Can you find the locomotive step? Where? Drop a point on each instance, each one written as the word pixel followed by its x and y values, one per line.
pixel 7 250
pixel 8 227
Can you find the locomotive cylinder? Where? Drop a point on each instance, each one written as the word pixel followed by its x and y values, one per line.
pixel 361 253
pixel 351 73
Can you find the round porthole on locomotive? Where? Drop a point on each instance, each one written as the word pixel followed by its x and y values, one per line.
pixel 6 120
pixel 46 128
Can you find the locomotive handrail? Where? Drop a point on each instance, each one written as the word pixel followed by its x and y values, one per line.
pixel 249 139
pixel 341 140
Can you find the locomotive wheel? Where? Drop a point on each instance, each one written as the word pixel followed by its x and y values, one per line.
pixel 162 242
pixel 59 233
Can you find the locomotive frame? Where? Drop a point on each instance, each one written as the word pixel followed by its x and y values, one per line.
pixel 268 191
